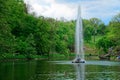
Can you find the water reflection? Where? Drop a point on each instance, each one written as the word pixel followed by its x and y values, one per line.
pixel 18 70
pixel 41 70
pixel 80 71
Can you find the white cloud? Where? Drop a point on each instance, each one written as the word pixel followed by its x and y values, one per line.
pixel 50 8
pixel 102 9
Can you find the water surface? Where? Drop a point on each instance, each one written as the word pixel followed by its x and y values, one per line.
pixel 59 70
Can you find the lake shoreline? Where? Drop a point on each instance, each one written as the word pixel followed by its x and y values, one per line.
pixel 51 59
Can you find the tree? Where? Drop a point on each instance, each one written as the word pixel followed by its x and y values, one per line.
pixel 42 37
pixel 111 37
pixel 87 33
pixel 113 31
pixel 104 43
pixel 6 38
pixel 95 23
pixel 88 29
pixel 101 29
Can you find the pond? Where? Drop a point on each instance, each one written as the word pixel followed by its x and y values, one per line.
pixel 59 70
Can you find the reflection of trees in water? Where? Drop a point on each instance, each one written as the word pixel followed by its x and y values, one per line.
pixel 17 70
pixel 80 71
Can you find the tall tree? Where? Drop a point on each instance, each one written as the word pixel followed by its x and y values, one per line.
pixel 95 23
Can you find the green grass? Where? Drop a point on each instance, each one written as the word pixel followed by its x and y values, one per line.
pixel 20 56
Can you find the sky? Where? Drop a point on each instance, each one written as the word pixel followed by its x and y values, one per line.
pixel 67 9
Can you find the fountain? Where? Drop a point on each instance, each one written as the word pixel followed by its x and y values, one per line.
pixel 79 39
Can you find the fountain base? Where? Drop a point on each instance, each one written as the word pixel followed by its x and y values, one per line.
pixel 78 60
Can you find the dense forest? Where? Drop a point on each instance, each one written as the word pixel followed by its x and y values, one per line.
pixel 22 33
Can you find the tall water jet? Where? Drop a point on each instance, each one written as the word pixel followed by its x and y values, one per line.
pixel 79 39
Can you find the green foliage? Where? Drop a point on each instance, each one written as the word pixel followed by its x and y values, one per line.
pixel 42 37
pixel 27 46
pixel 24 34
pixel 12 56
pixel 111 36
pixel 87 33
pixel 104 43
pixel 65 37
pixel 114 28
pixel 101 29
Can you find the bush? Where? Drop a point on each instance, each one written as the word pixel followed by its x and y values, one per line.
pixel 104 43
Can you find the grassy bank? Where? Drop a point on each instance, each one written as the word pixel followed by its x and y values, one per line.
pixel 55 56
pixel 8 57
